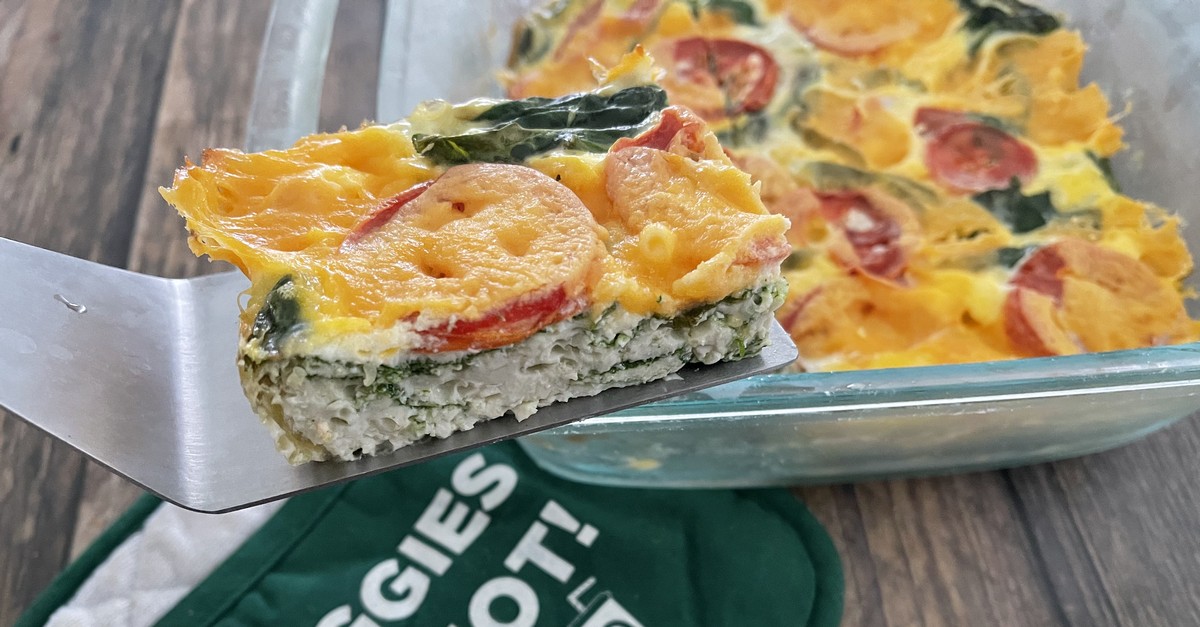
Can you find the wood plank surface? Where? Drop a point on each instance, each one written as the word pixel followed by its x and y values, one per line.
pixel 53 502
pixel 1120 531
pixel 204 101
pixel 939 551
pixel 216 37
pixel 213 38
pixel 80 84
pixel 100 101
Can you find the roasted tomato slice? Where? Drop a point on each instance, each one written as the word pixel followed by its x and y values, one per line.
pixel 870 226
pixel 741 75
pixel 1042 272
pixel 678 130
pixel 483 256
pixel 1033 309
pixel 970 157
pixel 1031 321
pixel 1074 296
pixel 510 323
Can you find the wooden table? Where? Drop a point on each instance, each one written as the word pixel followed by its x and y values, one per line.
pixel 100 100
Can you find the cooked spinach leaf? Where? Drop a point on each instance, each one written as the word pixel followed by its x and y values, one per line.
pixel 530 44
pixel 279 316
pixel 807 75
pixel 828 176
pixel 533 36
pixel 745 129
pixel 518 129
pixel 992 16
pixel 1008 15
pixel 1009 257
pixel 739 10
pixel 1105 165
pixel 1020 212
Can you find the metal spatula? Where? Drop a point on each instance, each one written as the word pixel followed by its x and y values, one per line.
pixel 138 372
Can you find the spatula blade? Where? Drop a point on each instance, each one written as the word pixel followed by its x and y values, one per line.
pixel 139 373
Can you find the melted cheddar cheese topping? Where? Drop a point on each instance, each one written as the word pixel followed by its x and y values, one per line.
pixel 373 234
pixel 944 169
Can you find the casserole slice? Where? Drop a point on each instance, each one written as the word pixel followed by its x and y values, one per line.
pixel 413 279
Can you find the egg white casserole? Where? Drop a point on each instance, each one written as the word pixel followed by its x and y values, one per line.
pixel 944 168
pixel 492 257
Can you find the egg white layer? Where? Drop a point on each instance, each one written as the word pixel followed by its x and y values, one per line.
pixel 318 409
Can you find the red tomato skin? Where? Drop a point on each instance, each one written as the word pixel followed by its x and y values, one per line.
pixel 504 325
pixel 932 120
pixel 1042 273
pixel 747 73
pixel 1019 328
pixel 876 247
pixel 386 211
pixel 674 128
pixel 970 157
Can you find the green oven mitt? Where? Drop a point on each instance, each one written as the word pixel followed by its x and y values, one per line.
pixel 488 538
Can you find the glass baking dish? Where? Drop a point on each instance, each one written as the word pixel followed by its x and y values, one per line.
pixel 826 427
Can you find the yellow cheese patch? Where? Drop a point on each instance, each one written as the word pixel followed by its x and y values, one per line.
pixel 374 234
